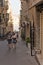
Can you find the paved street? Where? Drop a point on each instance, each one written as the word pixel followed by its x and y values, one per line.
pixel 20 56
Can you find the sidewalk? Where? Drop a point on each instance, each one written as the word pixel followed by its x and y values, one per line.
pixel 20 56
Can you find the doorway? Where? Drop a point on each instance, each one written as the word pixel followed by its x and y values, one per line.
pixel 41 33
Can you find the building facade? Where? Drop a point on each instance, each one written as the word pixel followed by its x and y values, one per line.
pixel 4 17
pixel 10 23
pixel 34 8
pixel 24 19
pixel 36 17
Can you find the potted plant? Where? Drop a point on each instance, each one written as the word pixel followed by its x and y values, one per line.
pixel 28 42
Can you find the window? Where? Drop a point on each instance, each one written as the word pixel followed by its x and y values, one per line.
pixel 0 18
pixel 3 15
pixel 1 2
pixel 7 15
pixel 26 0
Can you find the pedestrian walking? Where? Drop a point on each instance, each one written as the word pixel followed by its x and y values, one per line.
pixel 9 39
pixel 14 39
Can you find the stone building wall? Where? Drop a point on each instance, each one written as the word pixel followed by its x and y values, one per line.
pixel 24 17
pixel 4 17
pixel 36 16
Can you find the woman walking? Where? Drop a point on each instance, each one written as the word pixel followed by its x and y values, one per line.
pixel 14 40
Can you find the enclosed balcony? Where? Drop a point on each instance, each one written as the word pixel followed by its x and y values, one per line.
pixel 1 3
pixel 6 5
pixel 7 17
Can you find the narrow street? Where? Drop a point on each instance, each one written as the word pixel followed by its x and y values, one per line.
pixel 15 57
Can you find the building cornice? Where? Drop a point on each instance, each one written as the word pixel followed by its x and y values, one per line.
pixel 35 3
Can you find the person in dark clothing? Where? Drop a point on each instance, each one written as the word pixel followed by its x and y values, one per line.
pixel 14 40
pixel 9 39
pixel 17 35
